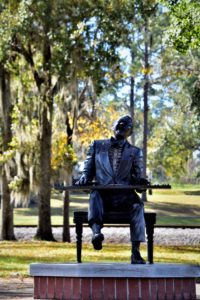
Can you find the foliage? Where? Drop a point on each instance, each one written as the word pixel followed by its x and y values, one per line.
pixel 184 35
pixel 98 127
pixel 174 141
pixel 46 45
pixel 184 31
pixel 26 149
pixel 82 39
pixel 63 156
pixel 6 156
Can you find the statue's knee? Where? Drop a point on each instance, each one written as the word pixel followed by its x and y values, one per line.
pixel 137 207
pixel 94 193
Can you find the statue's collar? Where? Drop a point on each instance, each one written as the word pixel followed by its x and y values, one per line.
pixel 117 143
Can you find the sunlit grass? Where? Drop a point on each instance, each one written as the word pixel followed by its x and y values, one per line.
pixel 176 207
pixel 173 207
pixel 15 257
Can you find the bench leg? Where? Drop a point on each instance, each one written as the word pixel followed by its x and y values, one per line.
pixel 79 231
pixel 150 232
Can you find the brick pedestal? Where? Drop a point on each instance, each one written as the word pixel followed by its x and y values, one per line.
pixel 114 281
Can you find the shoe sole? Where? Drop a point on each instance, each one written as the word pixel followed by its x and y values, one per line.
pixel 97 242
pixel 138 262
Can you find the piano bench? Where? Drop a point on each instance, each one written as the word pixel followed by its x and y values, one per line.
pixel 81 217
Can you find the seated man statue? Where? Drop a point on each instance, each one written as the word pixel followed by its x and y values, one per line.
pixel 116 161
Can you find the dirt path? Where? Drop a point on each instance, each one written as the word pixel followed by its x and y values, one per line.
pixel 16 288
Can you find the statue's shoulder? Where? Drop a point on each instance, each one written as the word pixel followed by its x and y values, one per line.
pixel 101 143
pixel 134 148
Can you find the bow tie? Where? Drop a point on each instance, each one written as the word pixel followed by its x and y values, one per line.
pixel 116 143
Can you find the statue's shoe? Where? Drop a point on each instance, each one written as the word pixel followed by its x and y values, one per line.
pixel 136 258
pixel 97 240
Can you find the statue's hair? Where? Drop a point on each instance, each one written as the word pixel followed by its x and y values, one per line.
pixel 127 119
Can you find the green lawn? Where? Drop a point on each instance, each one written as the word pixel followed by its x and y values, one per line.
pixel 179 206
pixel 15 257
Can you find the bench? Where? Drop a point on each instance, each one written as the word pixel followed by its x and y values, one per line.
pixel 81 217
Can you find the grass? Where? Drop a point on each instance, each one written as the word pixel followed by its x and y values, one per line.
pixel 178 206
pixel 15 257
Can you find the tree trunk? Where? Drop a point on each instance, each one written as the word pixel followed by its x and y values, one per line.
pixel 66 227
pixel 132 102
pixel 132 85
pixel 146 108
pixel 7 228
pixel 44 230
pixel 66 198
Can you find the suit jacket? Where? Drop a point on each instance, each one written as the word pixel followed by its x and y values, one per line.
pixel 97 164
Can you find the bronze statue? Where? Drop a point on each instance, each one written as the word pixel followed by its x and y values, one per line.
pixel 116 161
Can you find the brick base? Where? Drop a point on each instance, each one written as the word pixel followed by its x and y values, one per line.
pixel 118 288
pixel 114 281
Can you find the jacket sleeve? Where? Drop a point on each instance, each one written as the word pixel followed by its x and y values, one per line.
pixel 137 167
pixel 89 164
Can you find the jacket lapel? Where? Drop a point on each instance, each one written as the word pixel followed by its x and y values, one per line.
pixel 105 158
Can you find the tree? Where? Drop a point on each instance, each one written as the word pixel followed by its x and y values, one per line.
pixel 7 229
pixel 184 35
pixel 173 144
pixel 180 74
pixel 59 40
pixel 141 34
pixel 174 139
pixel 184 28
pixel 62 162
pixel 99 127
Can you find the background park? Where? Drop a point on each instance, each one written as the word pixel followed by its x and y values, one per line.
pixel 68 70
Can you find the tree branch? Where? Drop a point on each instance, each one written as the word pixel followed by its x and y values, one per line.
pixel 18 47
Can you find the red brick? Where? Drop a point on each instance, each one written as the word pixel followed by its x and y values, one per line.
pixel 43 287
pixel 36 287
pixel 161 288
pixel 134 288
pixel 178 288
pixel 193 289
pixel 186 288
pixel 145 293
pixel 67 288
pixel 58 287
pixel 109 289
pixel 153 288
pixel 121 288
pixel 85 288
pixel 50 287
pixel 97 289
pixel 169 288
pixel 76 288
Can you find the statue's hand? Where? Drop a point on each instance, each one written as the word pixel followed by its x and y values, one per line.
pixel 83 180
pixel 140 181
pixel 143 181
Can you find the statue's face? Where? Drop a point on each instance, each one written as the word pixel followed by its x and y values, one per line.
pixel 122 129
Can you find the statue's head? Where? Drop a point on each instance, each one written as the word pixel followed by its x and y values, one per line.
pixel 123 127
